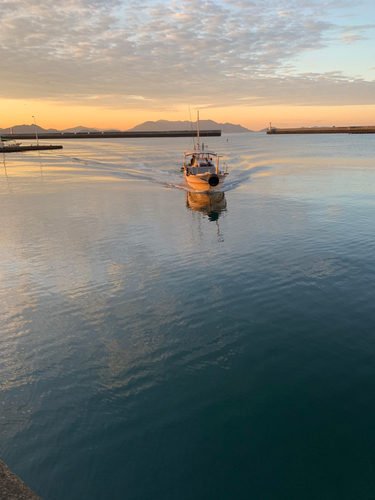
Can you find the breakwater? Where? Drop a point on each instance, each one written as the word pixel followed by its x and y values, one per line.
pixel 112 135
pixel 323 130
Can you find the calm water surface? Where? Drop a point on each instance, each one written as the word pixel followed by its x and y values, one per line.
pixel 159 344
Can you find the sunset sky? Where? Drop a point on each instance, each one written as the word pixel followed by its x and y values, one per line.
pixel 117 63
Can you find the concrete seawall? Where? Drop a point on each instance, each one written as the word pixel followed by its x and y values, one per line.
pixel 322 130
pixel 112 135
pixel 12 488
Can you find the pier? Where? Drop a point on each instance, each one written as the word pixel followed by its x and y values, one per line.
pixel 323 130
pixel 112 135
pixel 20 149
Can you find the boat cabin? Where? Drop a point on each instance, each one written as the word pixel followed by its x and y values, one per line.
pixel 200 161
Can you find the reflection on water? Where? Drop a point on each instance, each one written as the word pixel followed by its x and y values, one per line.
pixel 6 174
pixel 18 171
pixel 210 204
pixel 131 330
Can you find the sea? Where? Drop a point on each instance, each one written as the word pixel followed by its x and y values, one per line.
pixel 158 343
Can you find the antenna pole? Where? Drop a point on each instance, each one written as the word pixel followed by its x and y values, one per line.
pixel 197 129
pixel 36 133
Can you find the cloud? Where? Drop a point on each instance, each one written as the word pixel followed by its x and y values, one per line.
pixel 351 38
pixel 155 53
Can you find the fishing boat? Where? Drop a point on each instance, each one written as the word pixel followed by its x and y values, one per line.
pixel 201 167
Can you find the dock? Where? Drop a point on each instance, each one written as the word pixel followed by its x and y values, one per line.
pixel 323 130
pixel 20 149
pixel 112 135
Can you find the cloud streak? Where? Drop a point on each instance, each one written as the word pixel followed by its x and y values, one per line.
pixel 160 54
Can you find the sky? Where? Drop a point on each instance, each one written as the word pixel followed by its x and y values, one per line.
pixel 118 63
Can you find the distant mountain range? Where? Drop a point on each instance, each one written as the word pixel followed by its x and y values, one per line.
pixel 160 125
pixel 165 125
pixel 30 129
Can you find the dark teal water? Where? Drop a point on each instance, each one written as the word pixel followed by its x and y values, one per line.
pixel 157 344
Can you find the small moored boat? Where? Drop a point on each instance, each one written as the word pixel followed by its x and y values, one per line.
pixel 9 143
pixel 201 168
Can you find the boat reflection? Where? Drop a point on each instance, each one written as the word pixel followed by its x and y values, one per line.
pixel 210 204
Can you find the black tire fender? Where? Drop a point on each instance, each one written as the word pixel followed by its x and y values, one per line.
pixel 213 180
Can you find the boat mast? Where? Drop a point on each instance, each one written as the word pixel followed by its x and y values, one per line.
pixel 197 129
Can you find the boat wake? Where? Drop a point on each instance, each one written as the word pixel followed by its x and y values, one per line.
pixel 231 185
pixel 149 173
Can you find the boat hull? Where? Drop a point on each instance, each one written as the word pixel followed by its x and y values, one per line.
pixel 201 182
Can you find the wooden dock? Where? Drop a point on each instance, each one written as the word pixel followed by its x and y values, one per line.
pixel 322 130
pixel 20 149
pixel 112 135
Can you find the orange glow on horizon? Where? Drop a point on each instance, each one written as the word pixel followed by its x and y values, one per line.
pixel 61 116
